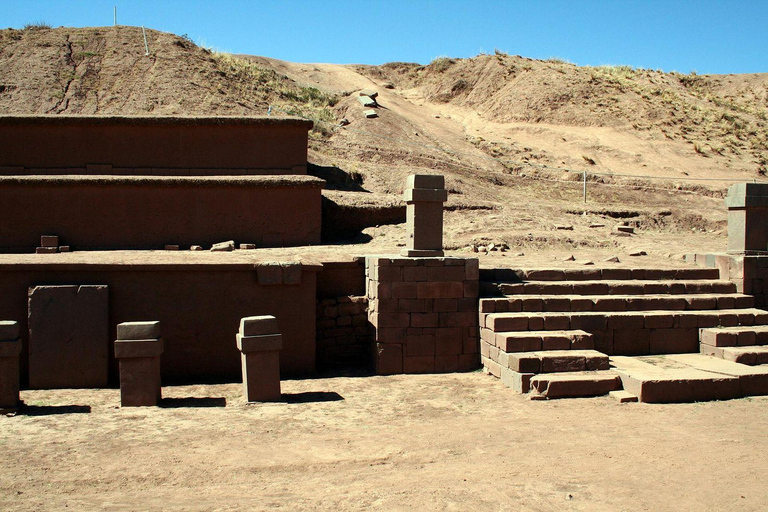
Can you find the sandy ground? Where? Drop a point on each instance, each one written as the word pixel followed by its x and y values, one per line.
pixel 432 442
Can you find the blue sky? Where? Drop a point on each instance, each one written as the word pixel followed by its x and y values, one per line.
pixel 705 36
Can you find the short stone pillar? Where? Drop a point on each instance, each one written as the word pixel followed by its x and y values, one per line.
pixel 747 218
pixel 138 348
pixel 424 196
pixel 260 342
pixel 10 348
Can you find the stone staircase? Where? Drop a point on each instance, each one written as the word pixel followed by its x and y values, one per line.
pixel 587 332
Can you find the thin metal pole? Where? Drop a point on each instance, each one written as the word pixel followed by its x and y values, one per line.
pixel 115 13
pixel 146 47
pixel 585 185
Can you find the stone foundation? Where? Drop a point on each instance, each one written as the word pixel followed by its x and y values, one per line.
pixel 344 334
pixel 424 312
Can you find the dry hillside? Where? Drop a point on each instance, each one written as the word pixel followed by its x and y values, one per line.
pixel 505 130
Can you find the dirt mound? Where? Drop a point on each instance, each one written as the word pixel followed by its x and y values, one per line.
pixel 512 135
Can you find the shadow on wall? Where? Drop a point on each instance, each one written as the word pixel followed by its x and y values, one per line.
pixel 345 222
pixel 337 179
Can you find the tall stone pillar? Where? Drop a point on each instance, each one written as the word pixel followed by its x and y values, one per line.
pixel 138 349
pixel 424 196
pixel 747 218
pixel 259 341
pixel 10 348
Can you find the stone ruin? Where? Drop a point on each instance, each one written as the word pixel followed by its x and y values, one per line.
pixel 106 190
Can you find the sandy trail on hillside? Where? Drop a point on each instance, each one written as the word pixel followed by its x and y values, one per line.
pixel 431 442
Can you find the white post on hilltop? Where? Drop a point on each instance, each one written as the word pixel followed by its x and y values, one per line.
pixel 146 46
pixel 114 11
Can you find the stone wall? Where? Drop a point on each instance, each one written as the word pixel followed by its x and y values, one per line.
pixel 152 145
pixel 424 312
pixel 344 335
pixel 199 305
pixel 114 212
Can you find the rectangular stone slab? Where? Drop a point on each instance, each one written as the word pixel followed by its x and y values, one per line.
pixel 138 348
pixel 668 381
pixel 9 330
pixel 138 330
pixel 68 336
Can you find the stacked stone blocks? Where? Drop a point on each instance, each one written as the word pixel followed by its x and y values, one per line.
pixel 138 348
pixel 259 342
pixel 424 312
pixel 10 348
pixel 344 334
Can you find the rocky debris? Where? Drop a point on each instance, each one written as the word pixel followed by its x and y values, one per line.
pixel 638 253
pixel 564 227
pixel 196 248
pixel 370 93
pixel 388 85
pixel 172 247
pixel 344 121
pixel 612 259
pixel 370 114
pixel 224 246
pixel 625 229
pixel 569 258
pixel 247 246
pixel 596 225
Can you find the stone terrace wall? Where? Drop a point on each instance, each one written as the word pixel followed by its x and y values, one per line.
pixel 198 305
pixel 424 312
pixel 344 335
pixel 152 145
pixel 111 212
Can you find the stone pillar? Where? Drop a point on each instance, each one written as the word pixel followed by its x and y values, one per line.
pixel 10 348
pixel 424 196
pixel 259 341
pixel 747 218
pixel 424 312
pixel 138 348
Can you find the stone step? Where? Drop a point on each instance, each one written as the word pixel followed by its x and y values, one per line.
pixel 618 287
pixel 591 321
pixel 554 361
pixel 735 336
pixel 529 341
pixel 509 275
pixel 650 302
pixel 573 385
pixel 688 378
pixel 750 355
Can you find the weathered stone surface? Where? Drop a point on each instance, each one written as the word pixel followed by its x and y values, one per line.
pixel 9 330
pixel 138 348
pixel 139 330
pixel 223 246
pixel 68 336
pixel 264 343
pixel 140 381
pixel 574 384
pixel 259 325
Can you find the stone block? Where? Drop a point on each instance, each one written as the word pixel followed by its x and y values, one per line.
pixel 258 325
pixel 449 341
pixel 138 330
pixel 524 362
pixel 407 290
pixel 269 274
pixel 46 250
pixel 519 382
pixel 414 274
pixel 138 348
pixel 419 364
pixel 261 376
pixel 434 181
pixel 292 273
pixel 469 362
pixel 140 381
pixel 9 330
pixel 262 343
pixel 68 336
pixel 471 288
pixel 49 241
pixel 491 367
pixel 631 342
pixel 425 319
pixel 446 363
pixel 388 359
pixel 9 374
pixel 439 290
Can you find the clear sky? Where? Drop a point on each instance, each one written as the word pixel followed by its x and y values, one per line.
pixel 706 36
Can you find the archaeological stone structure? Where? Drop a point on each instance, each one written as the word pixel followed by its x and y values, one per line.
pixel 131 256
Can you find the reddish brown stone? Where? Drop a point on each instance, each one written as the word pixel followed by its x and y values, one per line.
pixel 389 359
pixel 419 364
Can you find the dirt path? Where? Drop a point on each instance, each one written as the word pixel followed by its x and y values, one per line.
pixel 435 442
